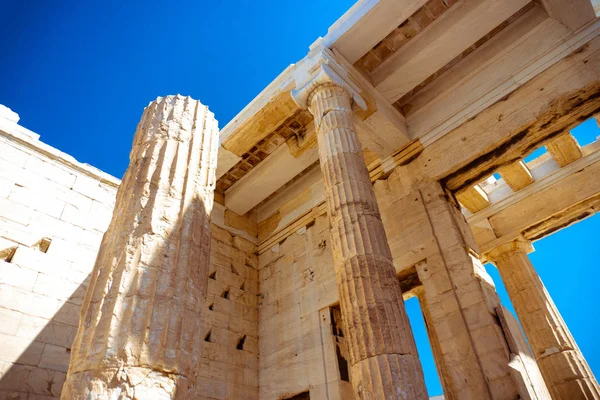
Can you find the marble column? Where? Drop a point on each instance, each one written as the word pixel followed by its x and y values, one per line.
pixel 565 371
pixel 384 363
pixel 140 328
pixel 436 349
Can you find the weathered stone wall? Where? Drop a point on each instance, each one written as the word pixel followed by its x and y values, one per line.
pixel 297 342
pixel 231 337
pixel 53 213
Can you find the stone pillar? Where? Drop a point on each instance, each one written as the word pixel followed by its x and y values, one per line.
pixel 384 363
pixel 561 363
pixel 140 330
pixel 429 235
pixel 438 356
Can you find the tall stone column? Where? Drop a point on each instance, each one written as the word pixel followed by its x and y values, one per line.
pixel 384 363
pixel 561 363
pixel 140 329
pixel 436 349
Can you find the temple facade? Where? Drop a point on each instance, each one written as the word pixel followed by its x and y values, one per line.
pixel 270 259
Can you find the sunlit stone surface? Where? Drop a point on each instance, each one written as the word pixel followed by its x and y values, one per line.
pixel 140 333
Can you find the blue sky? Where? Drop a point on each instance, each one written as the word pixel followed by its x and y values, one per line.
pixel 79 73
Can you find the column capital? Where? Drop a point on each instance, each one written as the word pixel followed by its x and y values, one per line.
pixel 520 245
pixel 320 69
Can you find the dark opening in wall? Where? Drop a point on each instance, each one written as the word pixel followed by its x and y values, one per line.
pixel 233 270
pixel 342 364
pixel 336 321
pixel 240 345
pixel 211 306
pixel 225 294
pixel 243 287
pixel 208 337
pixel 213 275
pixel 341 349
pixel 7 254
pixel 43 245
pixel 299 396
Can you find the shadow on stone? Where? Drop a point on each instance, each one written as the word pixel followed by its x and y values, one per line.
pixel 41 368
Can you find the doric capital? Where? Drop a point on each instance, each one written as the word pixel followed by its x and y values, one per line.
pixel 321 68
pixel 520 245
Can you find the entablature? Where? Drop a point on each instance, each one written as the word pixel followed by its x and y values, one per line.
pixel 423 70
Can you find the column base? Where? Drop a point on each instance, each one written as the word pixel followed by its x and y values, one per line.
pixel 127 383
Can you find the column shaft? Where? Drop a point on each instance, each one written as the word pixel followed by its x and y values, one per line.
pixel 561 363
pixel 437 351
pixel 383 356
pixel 141 320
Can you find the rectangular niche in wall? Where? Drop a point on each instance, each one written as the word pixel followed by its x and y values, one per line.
pixel 299 396
pixel 341 349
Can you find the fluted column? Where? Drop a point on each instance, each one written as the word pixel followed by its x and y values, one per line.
pixel 565 371
pixel 383 358
pixel 140 328
pixel 436 349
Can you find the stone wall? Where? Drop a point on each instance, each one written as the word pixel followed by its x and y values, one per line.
pixel 298 348
pixel 231 337
pixel 53 213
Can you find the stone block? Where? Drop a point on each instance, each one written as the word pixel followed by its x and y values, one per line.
pixel 30 326
pixel 220 234
pixel 79 278
pixel 15 172
pixel 15 275
pixel 57 287
pixel 14 155
pixel 81 258
pixel 90 238
pixel 243 245
pixel 210 390
pixel 93 189
pixel 27 302
pixel 9 321
pixel 73 215
pixel 68 314
pixel 100 216
pixel 52 171
pixel 38 200
pixel 35 260
pixel 6 186
pixel 45 331
pixel 81 202
pixel 13 395
pixel 55 358
pixel 20 350
pixel 16 232
pixel 33 381
pixel 13 211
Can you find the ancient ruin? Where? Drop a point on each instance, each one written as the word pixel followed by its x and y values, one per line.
pixel 270 259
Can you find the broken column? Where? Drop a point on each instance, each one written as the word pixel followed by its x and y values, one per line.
pixel 383 358
pixel 561 363
pixel 141 320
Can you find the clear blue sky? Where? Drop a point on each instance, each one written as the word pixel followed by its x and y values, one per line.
pixel 79 73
